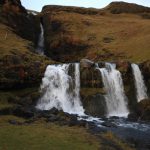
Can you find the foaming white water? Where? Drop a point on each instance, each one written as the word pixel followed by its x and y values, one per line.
pixel 115 97
pixel 40 46
pixel 60 90
pixel 139 83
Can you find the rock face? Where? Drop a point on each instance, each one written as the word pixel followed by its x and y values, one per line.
pixel 13 6
pixel 73 33
pixel 95 105
pixel 20 65
pixel 15 15
pixel 145 67
pixel 142 111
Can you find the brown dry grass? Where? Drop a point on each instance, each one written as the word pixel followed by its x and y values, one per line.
pixel 129 34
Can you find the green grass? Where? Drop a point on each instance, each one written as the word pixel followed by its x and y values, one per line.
pixel 44 136
pixel 49 136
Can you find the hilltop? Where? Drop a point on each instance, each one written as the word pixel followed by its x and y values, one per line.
pixel 119 31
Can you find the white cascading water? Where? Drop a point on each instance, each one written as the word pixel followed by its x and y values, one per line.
pixel 115 97
pixel 58 90
pixel 40 46
pixel 139 83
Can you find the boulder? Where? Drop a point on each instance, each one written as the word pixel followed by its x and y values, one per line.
pixel 109 124
pixel 86 63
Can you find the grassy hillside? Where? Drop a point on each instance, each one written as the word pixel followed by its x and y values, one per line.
pixel 20 65
pixel 73 33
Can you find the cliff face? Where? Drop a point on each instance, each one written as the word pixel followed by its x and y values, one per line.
pixel 13 6
pixel 13 14
pixel 72 33
pixel 20 65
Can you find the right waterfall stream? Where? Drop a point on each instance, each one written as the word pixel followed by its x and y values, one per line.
pixel 141 90
pixel 116 100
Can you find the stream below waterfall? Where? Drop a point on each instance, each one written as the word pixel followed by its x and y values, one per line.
pixel 62 90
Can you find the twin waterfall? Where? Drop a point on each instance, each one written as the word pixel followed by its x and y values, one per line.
pixel 62 90
pixel 116 100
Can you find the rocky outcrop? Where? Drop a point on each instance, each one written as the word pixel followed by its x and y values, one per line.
pixel 20 66
pixel 14 6
pixel 26 25
pixel 17 73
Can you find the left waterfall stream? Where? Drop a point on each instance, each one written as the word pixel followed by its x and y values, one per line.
pixel 61 90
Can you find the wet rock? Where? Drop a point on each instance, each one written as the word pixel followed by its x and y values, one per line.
pixel 109 124
pixel 133 117
pixel 114 117
pixel 142 111
pixel 145 68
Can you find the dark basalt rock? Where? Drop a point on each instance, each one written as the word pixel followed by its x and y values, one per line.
pixel 95 105
pixel 145 68
pixel 142 111
pixel 109 124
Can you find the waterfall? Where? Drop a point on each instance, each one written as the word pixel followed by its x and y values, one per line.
pixel 60 90
pixel 139 83
pixel 40 45
pixel 115 97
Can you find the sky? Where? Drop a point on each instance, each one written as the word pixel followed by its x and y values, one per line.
pixel 38 4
